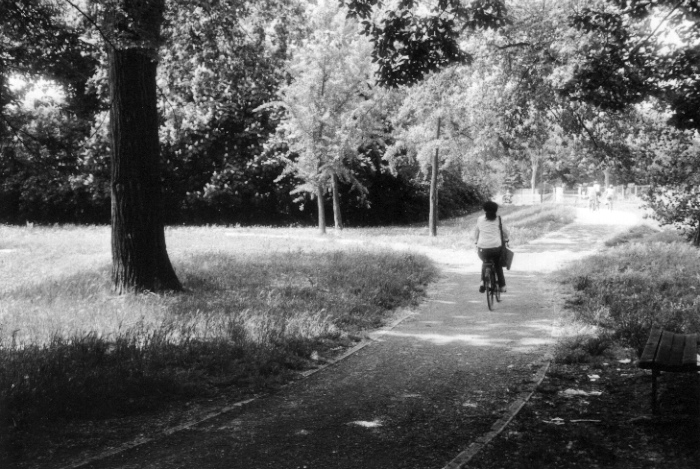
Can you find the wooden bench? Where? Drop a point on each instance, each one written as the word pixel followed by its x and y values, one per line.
pixel 667 351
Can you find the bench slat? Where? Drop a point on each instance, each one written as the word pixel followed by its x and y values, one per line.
pixel 652 345
pixel 663 356
pixel 690 352
pixel 675 359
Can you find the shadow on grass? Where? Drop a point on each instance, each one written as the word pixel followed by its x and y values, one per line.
pixel 244 322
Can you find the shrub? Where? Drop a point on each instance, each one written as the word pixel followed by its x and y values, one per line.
pixel 583 349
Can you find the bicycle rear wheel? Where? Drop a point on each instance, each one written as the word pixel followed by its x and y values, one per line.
pixel 489 288
pixel 496 288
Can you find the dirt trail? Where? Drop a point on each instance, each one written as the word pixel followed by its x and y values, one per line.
pixel 418 395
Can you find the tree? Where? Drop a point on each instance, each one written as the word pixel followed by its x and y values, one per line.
pixel 140 260
pixel 637 51
pixel 410 44
pixel 668 159
pixel 40 141
pixel 327 105
pixel 221 60
pixel 629 55
pixel 434 127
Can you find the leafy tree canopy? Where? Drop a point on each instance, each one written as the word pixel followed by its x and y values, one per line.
pixel 637 49
pixel 412 38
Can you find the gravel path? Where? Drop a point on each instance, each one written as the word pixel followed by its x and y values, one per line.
pixel 419 394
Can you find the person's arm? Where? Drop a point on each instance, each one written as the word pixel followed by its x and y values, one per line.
pixel 506 234
pixel 476 233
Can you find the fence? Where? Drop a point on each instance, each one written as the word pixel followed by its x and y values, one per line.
pixel 560 195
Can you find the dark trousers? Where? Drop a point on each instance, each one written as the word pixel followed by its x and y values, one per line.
pixel 494 255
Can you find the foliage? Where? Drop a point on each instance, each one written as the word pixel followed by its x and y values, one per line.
pixel 40 140
pixel 629 57
pixel 583 349
pixel 668 159
pixel 221 60
pixel 329 105
pixel 400 194
pixel 410 43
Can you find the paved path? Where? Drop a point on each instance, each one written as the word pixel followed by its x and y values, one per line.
pixel 418 395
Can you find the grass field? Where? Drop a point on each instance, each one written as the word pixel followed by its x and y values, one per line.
pixel 524 222
pixel 260 304
pixel 645 277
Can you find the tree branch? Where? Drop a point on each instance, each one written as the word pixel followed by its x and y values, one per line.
pixel 93 22
pixel 641 43
pixel 516 44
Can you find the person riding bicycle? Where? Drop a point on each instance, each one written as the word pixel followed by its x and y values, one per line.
pixel 487 237
pixel 609 196
pixel 593 200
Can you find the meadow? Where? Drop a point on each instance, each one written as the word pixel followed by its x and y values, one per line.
pixel 644 277
pixel 260 304
pixel 525 223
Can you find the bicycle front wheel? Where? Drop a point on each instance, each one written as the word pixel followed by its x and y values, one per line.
pixel 495 291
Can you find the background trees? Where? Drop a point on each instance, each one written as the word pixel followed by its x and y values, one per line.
pixel 525 93
pixel 636 52
pixel 40 138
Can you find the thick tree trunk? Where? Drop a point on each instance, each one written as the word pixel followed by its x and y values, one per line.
pixel 139 258
pixel 433 217
pixel 321 211
pixel 337 216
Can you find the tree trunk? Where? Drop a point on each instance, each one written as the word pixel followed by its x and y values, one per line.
pixel 696 237
pixel 433 217
pixel 606 173
pixel 3 102
pixel 533 181
pixel 337 216
pixel 321 211
pixel 139 258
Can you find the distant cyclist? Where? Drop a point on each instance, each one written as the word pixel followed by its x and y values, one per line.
pixel 487 237
pixel 593 195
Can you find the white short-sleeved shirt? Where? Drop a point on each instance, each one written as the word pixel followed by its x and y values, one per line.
pixel 488 234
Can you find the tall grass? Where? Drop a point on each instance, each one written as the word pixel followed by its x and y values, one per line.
pixel 254 310
pixel 647 278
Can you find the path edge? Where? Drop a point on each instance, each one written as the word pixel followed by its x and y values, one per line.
pixel 401 315
pixel 463 458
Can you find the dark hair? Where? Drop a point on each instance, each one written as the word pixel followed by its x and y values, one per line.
pixel 490 208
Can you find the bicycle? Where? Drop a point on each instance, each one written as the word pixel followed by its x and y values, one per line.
pixel 490 284
pixel 594 204
pixel 608 203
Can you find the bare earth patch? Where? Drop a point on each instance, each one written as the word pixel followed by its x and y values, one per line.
pixel 614 429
